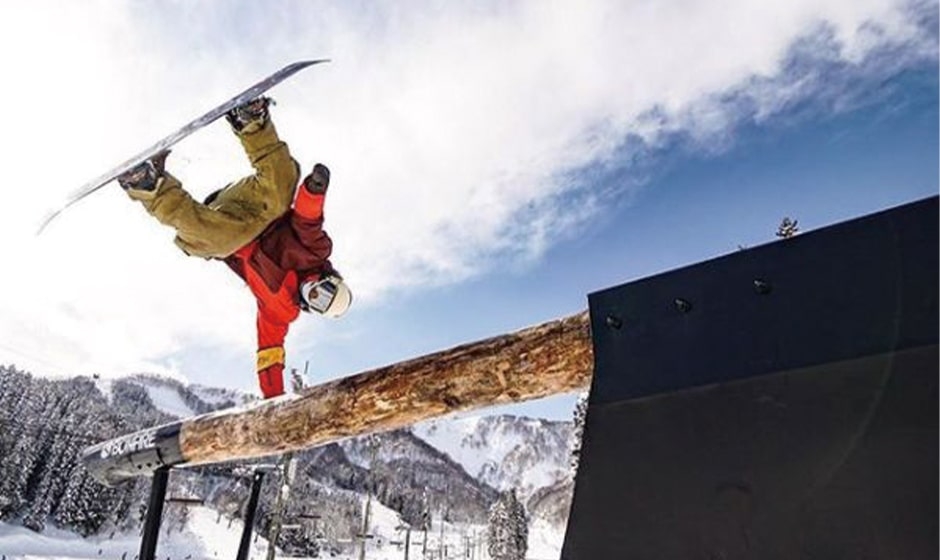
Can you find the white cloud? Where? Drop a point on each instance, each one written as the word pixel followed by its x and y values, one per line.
pixel 452 132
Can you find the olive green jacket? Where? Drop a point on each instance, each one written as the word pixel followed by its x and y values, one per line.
pixel 240 211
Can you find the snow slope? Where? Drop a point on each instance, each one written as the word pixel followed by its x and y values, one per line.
pixel 202 537
pixel 207 536
pixel 168 400
pixel 504 451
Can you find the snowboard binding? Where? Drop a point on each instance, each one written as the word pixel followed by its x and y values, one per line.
pixel 253 111
pixel 145 175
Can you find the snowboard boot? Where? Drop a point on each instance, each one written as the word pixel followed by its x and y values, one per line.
pixel 145 175
pixel 244 117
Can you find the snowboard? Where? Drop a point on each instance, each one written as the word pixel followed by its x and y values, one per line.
pixel 184 131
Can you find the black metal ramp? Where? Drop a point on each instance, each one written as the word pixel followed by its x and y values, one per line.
pixel 779 402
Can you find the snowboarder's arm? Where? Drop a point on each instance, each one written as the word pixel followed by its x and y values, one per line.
pixel 307 219
pixel 308 205
pixel 271 356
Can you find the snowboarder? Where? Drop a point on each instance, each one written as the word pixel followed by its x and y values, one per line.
pixel 265 227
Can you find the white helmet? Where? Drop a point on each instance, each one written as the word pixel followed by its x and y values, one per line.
pixel 328 296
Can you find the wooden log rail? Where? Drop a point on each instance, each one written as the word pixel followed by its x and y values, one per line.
pixel 548 359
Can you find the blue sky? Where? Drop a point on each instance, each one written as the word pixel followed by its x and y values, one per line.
pixel 493 163
pixel 819 168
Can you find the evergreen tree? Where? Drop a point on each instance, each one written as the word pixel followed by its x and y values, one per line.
pixel 788 228
pixel 580 415
pixel 59 454
pixel 85 506
pixel 44 426
pixel 508 529
pixel 21 446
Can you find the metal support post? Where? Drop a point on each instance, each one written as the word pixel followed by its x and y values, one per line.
pixel 250 510
pixel 148 543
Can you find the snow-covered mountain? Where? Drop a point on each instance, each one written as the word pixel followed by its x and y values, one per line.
pixel 525 454
pixel 446 470
pixel 178 399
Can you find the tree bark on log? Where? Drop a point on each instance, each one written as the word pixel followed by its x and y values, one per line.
pixel 548 359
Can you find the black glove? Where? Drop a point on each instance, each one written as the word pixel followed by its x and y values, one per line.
pixel 318 180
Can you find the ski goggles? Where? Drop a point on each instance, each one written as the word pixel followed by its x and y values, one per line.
pixel 319 295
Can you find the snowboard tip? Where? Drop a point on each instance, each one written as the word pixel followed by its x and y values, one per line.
pixel 311 62
pixel 45 221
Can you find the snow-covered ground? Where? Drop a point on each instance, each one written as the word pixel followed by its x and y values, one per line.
pixel 202 538
pixel 544 541
pixel 206 537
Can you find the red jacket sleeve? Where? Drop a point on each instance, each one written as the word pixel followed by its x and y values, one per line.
pixel 307 249
pixel 271 356
pixel 276 311
pixel 308 206
pixel 307 222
